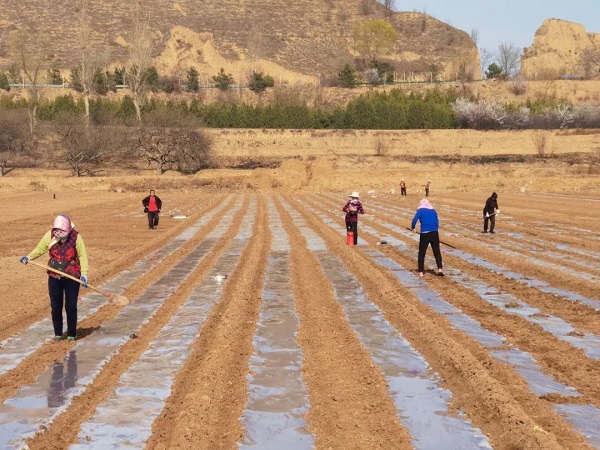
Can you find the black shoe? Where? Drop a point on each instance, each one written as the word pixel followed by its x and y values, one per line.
pixel 492 232
pixel 484 231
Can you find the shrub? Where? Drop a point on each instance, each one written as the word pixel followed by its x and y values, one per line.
pixel 518 86
pixel 259 82
pixel 4 84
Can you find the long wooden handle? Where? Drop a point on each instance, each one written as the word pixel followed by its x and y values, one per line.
pixel 62 274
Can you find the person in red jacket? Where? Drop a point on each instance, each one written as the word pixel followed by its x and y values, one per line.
pixel 152 205
pixel 402 187
pixel 353 208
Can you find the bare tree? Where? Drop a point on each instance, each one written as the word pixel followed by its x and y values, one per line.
pixel 509 58
pixel 86 146
pixel 12 138
pixel 389 6
pixel 30 50
pixel 475 36
pixel 590 61
pixel 90 57
pixel 366 7
pixel 172 140
pixel 140 57
pixel 486 57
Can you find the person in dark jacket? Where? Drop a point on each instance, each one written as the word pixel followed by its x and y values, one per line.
pixel 152 205
pixel 430 225
pixel 353 208
pixel 67 253
pixel 489 213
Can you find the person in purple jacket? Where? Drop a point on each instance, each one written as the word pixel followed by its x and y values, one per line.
pixel 430 225
pixel 352 209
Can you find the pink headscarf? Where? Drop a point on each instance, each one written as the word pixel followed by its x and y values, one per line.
pixel 62 226
pixel 425 204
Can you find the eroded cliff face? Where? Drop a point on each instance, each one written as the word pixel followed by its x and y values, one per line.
pixel 292 41
pixel 562 48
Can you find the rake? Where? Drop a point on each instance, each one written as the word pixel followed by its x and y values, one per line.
pixel 116 299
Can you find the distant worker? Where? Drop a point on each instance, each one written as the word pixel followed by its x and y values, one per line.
pixel 152 206
pixel 427 188
pixel 352 209
pixel 402 187
pixel 430 225
pixel 490 210
pixel 67 254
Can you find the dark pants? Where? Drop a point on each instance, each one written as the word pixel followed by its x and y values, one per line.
pixel 353 226
pixel 433 238
pixel 152 219
pixel 403 191
pixel 492 222
pixel 63 292
pixel 426 192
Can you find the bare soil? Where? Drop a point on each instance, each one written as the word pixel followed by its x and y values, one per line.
pixel 350 403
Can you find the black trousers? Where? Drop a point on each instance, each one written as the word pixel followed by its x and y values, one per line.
pixel 402 191
pixel 353 226
pixel 433 238
pixel 152 219
pixel 426 192
pixel 492 222
pixel 63 293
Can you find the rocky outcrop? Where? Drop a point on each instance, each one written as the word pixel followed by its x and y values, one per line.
pixel 307 38
pixel 562 49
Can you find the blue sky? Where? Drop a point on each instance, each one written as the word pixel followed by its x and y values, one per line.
pixel 509 21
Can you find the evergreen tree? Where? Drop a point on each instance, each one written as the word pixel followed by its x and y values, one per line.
pixel 193 80
pixel 223 80
pixel 99 82
pixel 347 77
pixel 494 71
pixel 76 79
pixel 119 76
pixel 54 77
pixel 259 82
pixel 4 82
pixel 152 78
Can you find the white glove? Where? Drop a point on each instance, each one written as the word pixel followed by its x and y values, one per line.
pixel 497 211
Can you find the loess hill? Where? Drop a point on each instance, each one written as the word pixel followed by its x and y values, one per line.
pixel 293 41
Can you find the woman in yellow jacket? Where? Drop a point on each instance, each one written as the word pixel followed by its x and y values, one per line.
pixel 67 253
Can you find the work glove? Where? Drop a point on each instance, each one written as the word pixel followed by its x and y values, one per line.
pixel 145 210
pixel 84 280
pixel 497 211
pixel 24 260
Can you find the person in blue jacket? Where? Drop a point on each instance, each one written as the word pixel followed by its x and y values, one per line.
pixel 430 225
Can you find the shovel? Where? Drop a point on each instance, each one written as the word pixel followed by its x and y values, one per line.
pixel 117 299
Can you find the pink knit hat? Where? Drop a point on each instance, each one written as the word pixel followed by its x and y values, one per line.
pixel 425 204
pixel 62 226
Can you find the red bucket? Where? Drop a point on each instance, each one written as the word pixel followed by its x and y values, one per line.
pixel 350 238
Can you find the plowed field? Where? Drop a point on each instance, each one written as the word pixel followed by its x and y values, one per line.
pixel 252 324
